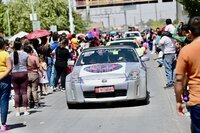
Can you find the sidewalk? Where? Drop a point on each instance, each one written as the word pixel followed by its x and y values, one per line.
pixel 182 122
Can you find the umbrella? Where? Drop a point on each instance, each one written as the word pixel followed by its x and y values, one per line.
pixel 80 35
pixel 113 32
pixel 63 31
pixel 18 35
pixel 94 32
pixel 90 36
pixel 37 34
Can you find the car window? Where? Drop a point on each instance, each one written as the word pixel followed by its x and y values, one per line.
pixel 107 56
pixel 130 38
pixel 132 44
pixel 132 35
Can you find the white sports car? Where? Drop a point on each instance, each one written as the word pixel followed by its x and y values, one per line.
pixel 107 74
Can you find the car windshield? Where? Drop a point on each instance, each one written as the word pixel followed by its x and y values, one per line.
pixel 130 38
pixel 132 35
pixel 131 43
pixel 107 56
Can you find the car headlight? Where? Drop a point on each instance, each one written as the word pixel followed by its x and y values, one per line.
pixel 75 78
pixel 134 74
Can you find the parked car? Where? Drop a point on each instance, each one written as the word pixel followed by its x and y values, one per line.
pixel 131 43
pixel 107 74
pixel 135 34
pixel 119 39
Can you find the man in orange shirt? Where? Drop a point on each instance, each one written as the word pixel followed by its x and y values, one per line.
pixel 188 69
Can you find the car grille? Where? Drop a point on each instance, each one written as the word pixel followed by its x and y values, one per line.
pixel 92 94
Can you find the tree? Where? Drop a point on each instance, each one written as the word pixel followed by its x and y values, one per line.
pixel 19 11
pixel 191 6
pixel 2 14
pixel 154 24
pixel 49 12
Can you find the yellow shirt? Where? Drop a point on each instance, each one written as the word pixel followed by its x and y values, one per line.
pixel 3 57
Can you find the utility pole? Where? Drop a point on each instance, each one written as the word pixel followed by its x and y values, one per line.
pixel 71 19
pixel 140 16
pixel 8 19
pixel 88 9
pixel 125 18
pixel 108 21
pixel 134 21
pixel 156 12
pixel 177 11
pixel 33 14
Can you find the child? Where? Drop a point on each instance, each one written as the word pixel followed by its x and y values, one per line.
pixel 159 59
pixel 43 80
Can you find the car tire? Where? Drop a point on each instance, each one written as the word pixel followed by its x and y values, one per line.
pixel 146 100
pixel 71 106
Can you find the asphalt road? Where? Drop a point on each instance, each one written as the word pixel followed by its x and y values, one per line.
pixel 159 116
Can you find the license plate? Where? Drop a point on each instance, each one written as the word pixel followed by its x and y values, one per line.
pixel 104 89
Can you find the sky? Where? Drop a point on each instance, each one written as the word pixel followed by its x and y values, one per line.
pixel 148 11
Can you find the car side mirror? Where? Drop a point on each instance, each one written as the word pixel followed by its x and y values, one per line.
pixel 145 58
pixel 71 62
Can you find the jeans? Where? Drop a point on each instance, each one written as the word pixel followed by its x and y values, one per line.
pixel 160 61
pixel 169 63
pixel 49 69
pixel 150 45
pixel 53 76
pixel 195 118
pixel 5 89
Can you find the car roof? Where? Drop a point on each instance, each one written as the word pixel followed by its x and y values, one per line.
pixel 107 47
pixel 123 41
pixel 132 32
pixel 127 38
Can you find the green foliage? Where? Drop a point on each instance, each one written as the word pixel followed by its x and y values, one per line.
pixel 49 12
pixel 154 24
pixel 19 17
pixel 2 14
pixel 191 6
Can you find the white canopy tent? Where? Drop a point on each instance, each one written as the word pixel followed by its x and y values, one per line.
pixel 18 35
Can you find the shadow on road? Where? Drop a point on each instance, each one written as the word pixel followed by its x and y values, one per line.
pixel 18 125
pixel 123 104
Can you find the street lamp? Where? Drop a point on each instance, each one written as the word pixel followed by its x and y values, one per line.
pixel 71 19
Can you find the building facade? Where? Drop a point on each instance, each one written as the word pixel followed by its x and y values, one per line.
pixel 103 3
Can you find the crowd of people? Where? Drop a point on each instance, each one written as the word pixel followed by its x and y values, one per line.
pixel 34 66
pixel 31 67
pixel 177 49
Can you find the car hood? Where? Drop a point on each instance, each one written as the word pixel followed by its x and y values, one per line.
pixel 107 70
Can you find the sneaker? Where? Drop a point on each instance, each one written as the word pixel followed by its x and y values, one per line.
pixel 46 93
pixel 168 86
pixel 63 89
pixel 36 107
pixel 4 127
pixel 187 114
pixel 17 114
pixel 26 113
pixel 54 89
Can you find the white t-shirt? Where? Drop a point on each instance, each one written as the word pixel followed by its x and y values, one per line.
pixel 168 45
pixel 170 28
